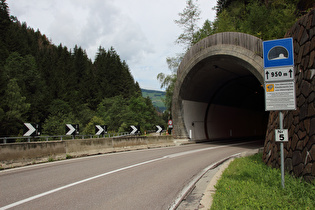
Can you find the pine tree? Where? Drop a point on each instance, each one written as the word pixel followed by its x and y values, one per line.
pixel 15 107
pixel 188 21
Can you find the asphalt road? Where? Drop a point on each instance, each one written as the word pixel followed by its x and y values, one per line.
pixel 142 179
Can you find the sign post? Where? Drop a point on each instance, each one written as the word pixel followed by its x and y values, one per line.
pixel 170 126
pixel 279 85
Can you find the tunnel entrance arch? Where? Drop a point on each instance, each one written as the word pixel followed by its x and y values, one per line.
pixel 219 92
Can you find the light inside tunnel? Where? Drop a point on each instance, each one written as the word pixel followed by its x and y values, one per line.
pixel 222 99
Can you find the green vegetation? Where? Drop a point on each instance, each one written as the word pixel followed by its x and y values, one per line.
pixel 69 156
pixel 53 85
pixel 263 19
pixel 249 184
pixel 157 98
pixel 50 159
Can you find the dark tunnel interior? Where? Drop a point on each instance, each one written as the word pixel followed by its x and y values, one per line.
pixel 222 99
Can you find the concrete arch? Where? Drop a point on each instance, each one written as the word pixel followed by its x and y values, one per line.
pixel 218 93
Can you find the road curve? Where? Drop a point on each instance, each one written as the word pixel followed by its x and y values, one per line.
pixel 143 179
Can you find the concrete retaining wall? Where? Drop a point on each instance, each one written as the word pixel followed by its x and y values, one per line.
pixel 25 153
pixel 299 152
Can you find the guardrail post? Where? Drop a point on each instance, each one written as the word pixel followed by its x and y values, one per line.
pixel 5 140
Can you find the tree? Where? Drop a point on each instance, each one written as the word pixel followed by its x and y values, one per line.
pixel 264 19
pixel 90 128
pixel 15 107
pixel 112 111
pixel 188 21
pixel 205 31
pixel 167 82
pixel 4 25
pixel 24 70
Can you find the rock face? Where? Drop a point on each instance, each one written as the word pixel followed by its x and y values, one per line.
pixel 299 152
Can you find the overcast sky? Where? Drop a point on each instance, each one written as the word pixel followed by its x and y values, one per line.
pixel 142 32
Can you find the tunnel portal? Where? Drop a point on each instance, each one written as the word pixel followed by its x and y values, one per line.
pixel 219 92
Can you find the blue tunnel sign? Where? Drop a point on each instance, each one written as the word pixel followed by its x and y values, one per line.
pixel 278 53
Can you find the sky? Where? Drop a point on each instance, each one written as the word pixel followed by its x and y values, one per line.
pixel 142 32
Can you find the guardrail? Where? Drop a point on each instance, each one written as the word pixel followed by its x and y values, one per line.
pixel 6 140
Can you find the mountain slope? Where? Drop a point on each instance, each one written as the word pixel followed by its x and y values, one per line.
pixel 156 97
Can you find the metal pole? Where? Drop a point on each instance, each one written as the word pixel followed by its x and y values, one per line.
pixel 281 150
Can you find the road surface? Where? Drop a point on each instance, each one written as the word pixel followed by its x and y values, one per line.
pixel 142 179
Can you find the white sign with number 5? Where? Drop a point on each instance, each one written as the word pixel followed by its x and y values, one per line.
pixel 281 135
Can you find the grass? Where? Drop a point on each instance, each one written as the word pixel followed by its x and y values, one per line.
pixel 68 156
pixel 249 184
pixel 50 159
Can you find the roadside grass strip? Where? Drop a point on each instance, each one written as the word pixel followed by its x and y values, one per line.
pixel 250 184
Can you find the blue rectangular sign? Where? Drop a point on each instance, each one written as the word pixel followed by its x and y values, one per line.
pixel 278 53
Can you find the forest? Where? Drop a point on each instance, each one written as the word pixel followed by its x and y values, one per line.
pixel 52 85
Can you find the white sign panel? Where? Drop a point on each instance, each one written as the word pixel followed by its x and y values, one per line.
pixel 281 135
pixel 279 74
pixel 280 96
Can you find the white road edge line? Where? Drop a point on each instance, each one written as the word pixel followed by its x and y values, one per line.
pixel 76 183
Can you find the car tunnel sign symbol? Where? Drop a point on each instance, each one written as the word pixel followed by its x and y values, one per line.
pixel 278 53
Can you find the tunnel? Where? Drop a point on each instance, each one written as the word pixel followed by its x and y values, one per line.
pixel 219 90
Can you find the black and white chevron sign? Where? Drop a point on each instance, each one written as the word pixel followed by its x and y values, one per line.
pixel 72 129
pixel 31 129
pixel 100 129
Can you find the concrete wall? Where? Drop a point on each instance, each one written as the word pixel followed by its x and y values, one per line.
pixel 221 122
pixel 194 118
pixel 299 152
pixel 18 154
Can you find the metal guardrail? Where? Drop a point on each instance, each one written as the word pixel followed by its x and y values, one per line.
pixel 6 140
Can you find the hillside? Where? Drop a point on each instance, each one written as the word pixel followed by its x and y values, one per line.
pixel 156 97
pixel 52 85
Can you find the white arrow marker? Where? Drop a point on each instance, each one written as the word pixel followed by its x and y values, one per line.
pixel 71 129
pixel 159 129
pixel 31 129
pixel 134 129
pixel 100 129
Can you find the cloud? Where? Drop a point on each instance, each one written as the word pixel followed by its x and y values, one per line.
pixel 142 32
